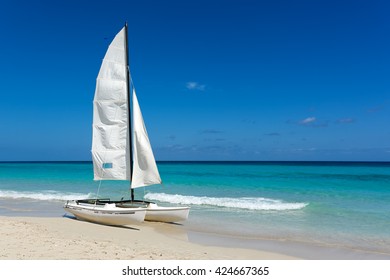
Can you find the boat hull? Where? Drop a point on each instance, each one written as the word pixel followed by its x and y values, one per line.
pixel 107 214
pixel 158 213
pixel 166 214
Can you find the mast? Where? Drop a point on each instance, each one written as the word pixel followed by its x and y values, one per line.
pixel 128 81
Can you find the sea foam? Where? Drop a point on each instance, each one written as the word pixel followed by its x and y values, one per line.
pixel 250 203
pixel 43 195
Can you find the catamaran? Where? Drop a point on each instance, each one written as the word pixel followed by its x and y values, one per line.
pixel 121 148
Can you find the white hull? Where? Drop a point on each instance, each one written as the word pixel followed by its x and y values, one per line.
pixel 166 214
pixel 107 214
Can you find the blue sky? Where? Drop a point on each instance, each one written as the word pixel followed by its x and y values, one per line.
pixel 216 80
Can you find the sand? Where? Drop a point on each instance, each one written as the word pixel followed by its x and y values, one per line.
pixel 63 238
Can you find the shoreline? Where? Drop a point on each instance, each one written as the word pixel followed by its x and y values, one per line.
pixel 66 238
pixel 48 238
pixel 193 233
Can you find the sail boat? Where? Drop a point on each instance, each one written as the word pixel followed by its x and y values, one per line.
pixel 121 148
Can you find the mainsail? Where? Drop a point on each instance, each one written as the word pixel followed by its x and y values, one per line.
pixel 111 151
pixel 110 142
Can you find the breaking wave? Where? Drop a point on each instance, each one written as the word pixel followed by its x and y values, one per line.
pixel 44 195
pixel 250 203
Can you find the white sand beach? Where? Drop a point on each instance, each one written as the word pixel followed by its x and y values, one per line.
pixel 37 238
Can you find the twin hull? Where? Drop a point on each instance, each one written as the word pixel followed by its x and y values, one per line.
pixel 124 214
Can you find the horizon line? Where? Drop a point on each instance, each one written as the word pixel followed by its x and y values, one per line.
pixel 209 161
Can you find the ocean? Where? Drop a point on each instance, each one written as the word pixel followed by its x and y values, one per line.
pixel 332 204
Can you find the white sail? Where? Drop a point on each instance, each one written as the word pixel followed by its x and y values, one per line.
pixel 145 170
pixel 110 143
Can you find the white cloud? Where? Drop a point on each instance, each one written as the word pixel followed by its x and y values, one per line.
pixel 195 86
pixel 308 120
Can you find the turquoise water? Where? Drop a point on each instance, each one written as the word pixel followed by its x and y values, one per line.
pixel 334 204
